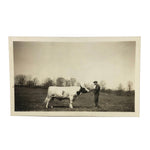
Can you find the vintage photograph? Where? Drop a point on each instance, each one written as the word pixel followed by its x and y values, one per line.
pixel 74 76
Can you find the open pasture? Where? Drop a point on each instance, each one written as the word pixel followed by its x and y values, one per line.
pixel 32 99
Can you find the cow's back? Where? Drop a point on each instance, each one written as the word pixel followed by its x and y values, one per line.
pixel 60 91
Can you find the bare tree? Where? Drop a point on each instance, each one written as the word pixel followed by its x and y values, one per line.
pixel 68 83
pixel 73 81
pixel 35 81
pixel 20 80
pixel 61 81
pixel 130 85
pixel 103 85
pixel 120 89
pixel 48 82
pixel 30 83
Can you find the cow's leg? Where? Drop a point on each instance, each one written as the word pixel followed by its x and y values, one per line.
pixel 47 100
pixel 70 102
pixel 52 99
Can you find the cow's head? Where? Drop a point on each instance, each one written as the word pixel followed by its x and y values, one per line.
pixel 82 90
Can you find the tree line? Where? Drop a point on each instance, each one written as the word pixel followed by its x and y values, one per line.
pixel 28 81
pixel 120 90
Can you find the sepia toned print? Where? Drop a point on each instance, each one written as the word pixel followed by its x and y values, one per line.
pixel 74 76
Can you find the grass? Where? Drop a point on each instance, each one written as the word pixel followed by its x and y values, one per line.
pixel 32 99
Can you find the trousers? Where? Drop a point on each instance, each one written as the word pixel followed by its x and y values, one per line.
pixel 96 96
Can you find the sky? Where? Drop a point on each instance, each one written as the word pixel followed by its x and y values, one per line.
pixel 113 62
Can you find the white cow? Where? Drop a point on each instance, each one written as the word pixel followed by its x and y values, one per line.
pixel 64 93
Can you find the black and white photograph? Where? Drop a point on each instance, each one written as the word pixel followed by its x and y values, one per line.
pixel 75 76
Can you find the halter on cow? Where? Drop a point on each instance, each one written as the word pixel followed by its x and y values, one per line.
pixel 64 93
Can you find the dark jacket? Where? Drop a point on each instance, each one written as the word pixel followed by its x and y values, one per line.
pixel 97 89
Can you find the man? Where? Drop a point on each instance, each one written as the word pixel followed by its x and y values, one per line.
pixel 96 93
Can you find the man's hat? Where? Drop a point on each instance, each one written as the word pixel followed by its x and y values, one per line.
pixel 95 82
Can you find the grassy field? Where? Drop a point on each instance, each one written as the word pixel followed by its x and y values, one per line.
pixel 32 99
